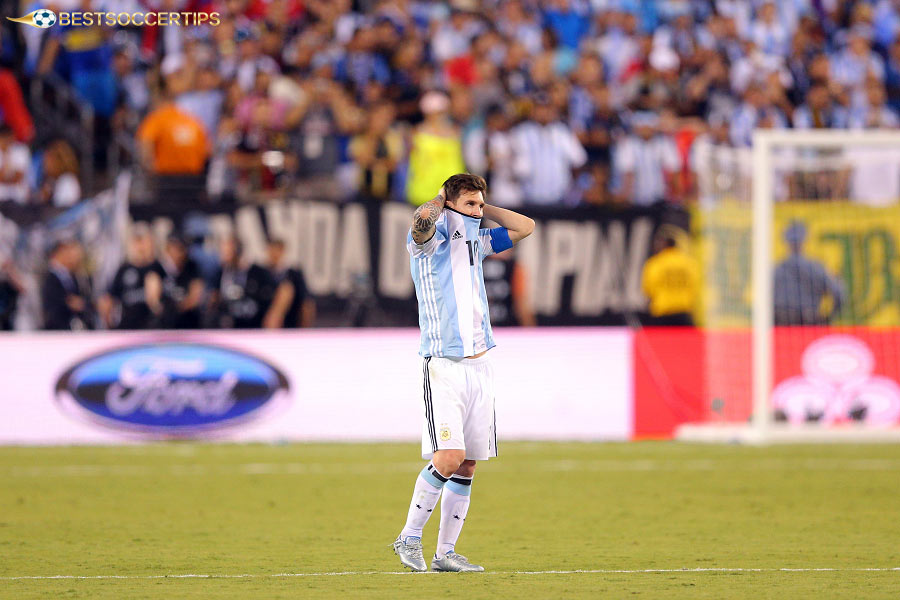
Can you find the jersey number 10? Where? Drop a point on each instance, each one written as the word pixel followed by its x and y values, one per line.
pixel 473 250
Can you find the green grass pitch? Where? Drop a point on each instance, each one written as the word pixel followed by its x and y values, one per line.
pixel 289 518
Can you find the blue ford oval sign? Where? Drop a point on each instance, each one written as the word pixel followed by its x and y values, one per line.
pixel 169 388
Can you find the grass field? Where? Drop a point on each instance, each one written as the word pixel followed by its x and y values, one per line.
pixel 316 521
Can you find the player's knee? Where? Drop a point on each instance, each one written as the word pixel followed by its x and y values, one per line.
pixel 448 461
pixel 466 469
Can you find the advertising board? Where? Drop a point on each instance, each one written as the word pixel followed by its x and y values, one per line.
pixel 306 385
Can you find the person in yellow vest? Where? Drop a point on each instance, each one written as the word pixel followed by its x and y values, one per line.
pixel 436 151
pixel 671 282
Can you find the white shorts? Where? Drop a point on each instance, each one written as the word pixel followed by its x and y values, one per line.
pixel 459 407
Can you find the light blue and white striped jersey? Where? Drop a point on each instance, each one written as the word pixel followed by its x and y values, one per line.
pixel 453 307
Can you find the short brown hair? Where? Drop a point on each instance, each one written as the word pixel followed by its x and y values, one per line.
pixel 464 182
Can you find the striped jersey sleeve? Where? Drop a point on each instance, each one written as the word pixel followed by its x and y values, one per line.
pixel 430 246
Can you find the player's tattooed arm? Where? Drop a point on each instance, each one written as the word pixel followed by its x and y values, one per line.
pixel 425 217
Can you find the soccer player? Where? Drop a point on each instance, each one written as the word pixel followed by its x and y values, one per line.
pixel 447 245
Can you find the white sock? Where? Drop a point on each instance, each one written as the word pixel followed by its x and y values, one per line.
pixel 425 497
pixel 454 507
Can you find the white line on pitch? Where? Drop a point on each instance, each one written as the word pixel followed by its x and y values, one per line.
pixel 561 466
pixel 572 572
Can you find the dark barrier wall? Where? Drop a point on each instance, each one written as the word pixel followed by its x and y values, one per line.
pixel 582 266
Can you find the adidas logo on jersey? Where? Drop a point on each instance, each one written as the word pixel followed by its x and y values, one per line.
pixel 456 236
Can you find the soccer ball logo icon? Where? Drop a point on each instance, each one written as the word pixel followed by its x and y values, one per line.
pixel 44 18
pixel 41 17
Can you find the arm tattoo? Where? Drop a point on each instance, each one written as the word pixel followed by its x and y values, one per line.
pixel 427 214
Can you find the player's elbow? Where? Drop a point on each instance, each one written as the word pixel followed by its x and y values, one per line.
pixel 527 227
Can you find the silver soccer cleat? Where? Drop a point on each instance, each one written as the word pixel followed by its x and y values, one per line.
pixel 410 553
pixel 454 562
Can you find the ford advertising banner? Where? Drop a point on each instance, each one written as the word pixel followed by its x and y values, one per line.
pixel 169 388
pixel 309 385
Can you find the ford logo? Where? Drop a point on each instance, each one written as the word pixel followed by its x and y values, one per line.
pixel 169 388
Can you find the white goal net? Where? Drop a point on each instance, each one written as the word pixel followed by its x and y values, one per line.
pixel 799 238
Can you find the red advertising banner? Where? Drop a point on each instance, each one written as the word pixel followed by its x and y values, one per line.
pixel 668 380
pixel 826 375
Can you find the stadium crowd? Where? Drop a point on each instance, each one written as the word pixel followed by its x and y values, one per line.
pixel 382 99
pixel 557 103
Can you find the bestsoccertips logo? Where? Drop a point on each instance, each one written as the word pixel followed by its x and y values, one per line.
pixel 41 18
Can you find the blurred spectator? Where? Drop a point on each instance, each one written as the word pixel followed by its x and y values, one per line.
pixel 602 130
pixel 892 78
pixel 172 141
pixel 327 119
pixel 490 151
pixel 820 111
pixel 134 299
pixel 360 64
pixel 250 60
pixel 590 186
pixel 569 25
pixel 852 66
pixel 657 85
pixel 756 111
pixel 378 151
pixel 60 185
pixel 65 294
pixel 259 151
pixel 244 290
pixel 718 169
pixel 618 47
pixel 874 113
pixel 753 67
pixel 553 150
pixel 203 98
pixel 82 55
pixel 587 77
pixel 132 90
pixel 13 110
pixel 721 36
pixel 11 287
pixel 436 151
pixel 646 163
pixel 802 283
pixel 671 282
pixel 709 91
pixel 15 163
pixel 196 232
pixel 453 37
pixel 770 34
pixel 182 287
pixel 678 36
pixel 520 26
pixel 292 306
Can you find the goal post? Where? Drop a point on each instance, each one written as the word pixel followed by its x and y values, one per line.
pixel 833 379
pixel 761 273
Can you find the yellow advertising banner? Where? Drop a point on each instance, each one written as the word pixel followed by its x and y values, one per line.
pixel 857 245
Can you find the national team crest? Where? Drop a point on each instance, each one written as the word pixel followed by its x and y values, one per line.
pixel 445 433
